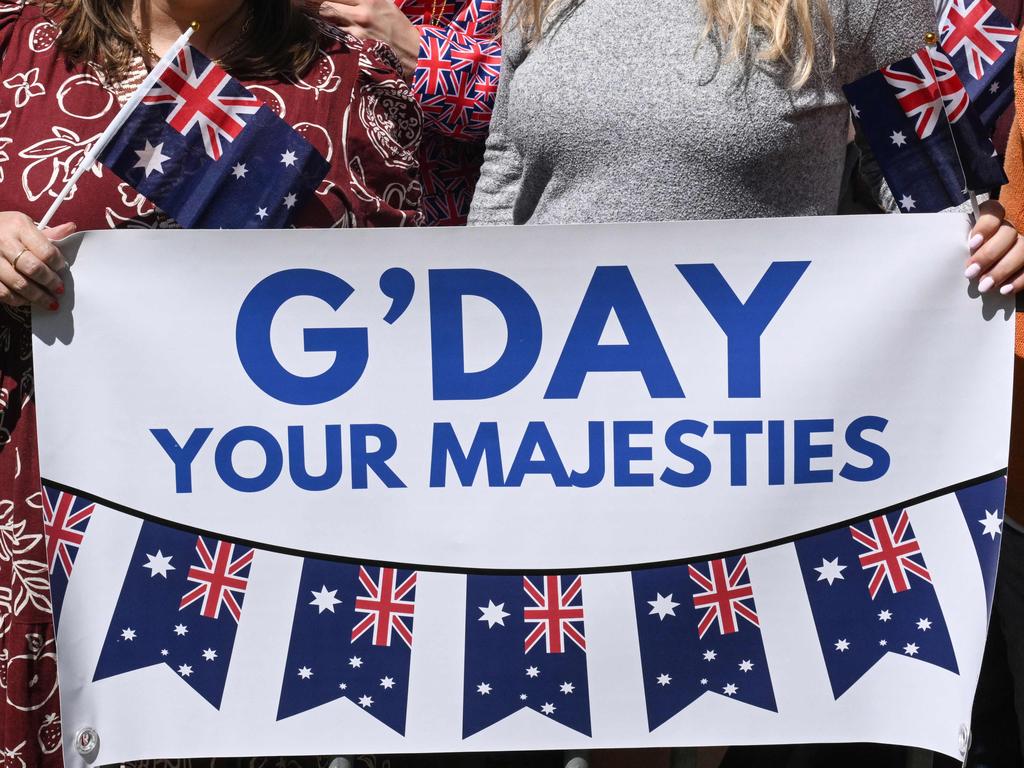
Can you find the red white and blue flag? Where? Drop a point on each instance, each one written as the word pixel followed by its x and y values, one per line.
pixel 924 133
pixel 871 594
pixel 982 505
pixel 526 648
pixel 981 43
pixel 65 520
pixel 180 604
pixel 700 633
pixel 209 154
pixel 352 637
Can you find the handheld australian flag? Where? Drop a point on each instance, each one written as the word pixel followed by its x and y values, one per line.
pixel 179 605
pixel 982 507
pixel 981 43
pixel 209 154
pixel 525 648
pixel 699 633
pixel 351 638
pixel 871 594
pixel 65 520
pixel 926 137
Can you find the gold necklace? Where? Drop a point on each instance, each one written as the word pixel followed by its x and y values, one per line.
pixel 147 46
pixel 437 9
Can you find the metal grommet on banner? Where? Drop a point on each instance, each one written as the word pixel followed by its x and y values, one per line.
pixel 87 743
pixel 964 739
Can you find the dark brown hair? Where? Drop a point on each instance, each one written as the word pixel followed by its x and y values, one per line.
pixel 281 41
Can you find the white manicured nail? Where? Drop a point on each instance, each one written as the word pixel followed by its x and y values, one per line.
pixel 1006 289
pixel 985 284
pixel 972 271
pixel 975 241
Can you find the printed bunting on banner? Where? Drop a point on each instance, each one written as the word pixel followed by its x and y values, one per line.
pixel 926 137
pixel 525 648
pixel 65 520
pixel 871 594
pixel 981 43
pixel 208 153
pixel 700 633
pixel 179 605
pixel 982 507
pixel 351 638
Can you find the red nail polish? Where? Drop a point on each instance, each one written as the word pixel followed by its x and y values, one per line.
pixel 54 306
pixel 60 290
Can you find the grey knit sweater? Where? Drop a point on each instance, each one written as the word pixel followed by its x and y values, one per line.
pixel 620 113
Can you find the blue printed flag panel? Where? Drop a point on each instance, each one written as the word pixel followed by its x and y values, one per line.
pixel 982 506
pixel 929 142
pixel 981 43
pixel 179 605
pixel 525 648
pixel 871 594
pixel 699 633
pixel 207 152
pixel 65 519
pixel 351 638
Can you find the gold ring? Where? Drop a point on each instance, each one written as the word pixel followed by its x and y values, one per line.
pixel 14 261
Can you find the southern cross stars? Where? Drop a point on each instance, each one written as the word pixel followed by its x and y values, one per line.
pixel 158 564
pixel 662 606
pixel 262 213
pixel 664 679
pixel 898 138
pixel 884 615
pixel 185 670
pixel 355 662
pixel 746 665
pixel 493 614
pixel 567 688
pixel 151 158
pixel 483 689
pixel 907 203
pixel 548 708
pixel 128 634
pixel 209 654
pixel 387 683
pixel 710 655
pixel 532 671
pixel 180 630
pixel 842 645
pixel 305 673
pixel 730 690
pixel 324 600
pixel 365 702
pixel 992 523
pixel 290 200
pixel 288 158
pixel 910 649
pixel 924 624
pixel 830 570
pixel 239 171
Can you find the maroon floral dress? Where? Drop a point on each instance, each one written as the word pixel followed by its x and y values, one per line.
pixel 352 105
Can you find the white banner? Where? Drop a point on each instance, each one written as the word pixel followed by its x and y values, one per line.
pixel 595 472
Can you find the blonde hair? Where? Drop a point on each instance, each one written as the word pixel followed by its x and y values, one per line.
pixel 787 27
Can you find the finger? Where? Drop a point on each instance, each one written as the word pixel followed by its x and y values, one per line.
pixel 11 299
pixel 1005 269
pixel 23 287
pixel 60 231
pixel 1014 286
pixel 994 248
pixel 989 220
pixel 39 244
pixel 355 30
pixel 39 273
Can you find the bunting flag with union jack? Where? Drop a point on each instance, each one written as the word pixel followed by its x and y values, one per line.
pixel 352 637
pixel 982 507
pixel 700 633
pixel 180 605
pixel 210 154
pixel 871 594
pixel 924 133
pixel 65 519
pixel 981 44
pixel 526 648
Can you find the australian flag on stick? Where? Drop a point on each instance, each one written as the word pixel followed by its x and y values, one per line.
pixel 871 594
pixel 180 605
pixel 525 648
pixel 982 507
pixel 700 633
pixel 209 154
pixel 926 137
pixel 65 520
pixel 351 638
pixel 981 43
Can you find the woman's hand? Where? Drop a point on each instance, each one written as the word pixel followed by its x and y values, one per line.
pixel 997 252
pixel 29 262
pixel 375 20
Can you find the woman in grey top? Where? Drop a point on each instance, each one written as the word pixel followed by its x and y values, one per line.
pixel 692 109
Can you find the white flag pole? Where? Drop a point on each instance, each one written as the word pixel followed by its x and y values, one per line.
pixel 119 120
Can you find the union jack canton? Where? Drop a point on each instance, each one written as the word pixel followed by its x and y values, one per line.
pixel 180 605
pixel 65 519
pixel 871 594
pixel 352 637
pixel 525 649
pixel 700 633
pixel 209 154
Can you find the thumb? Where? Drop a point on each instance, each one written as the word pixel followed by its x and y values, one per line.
pixel 60 231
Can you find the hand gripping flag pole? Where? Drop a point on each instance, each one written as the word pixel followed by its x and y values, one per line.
pixel 92 156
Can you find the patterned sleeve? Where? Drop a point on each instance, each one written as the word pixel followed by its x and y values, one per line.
pixel 456 75
pixel 381 142
pixel 9 14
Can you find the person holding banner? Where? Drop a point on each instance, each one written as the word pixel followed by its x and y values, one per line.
pixel 451 55
pixel 66 67
pixel 720 109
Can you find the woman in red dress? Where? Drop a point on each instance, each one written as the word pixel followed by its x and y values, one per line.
pixel 65 68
